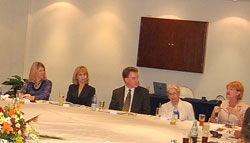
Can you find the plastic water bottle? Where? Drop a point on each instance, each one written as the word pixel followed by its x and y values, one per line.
pixel 175 116
pixel 216 117
pixel 176 113
pixel 194 132
pixel 94 103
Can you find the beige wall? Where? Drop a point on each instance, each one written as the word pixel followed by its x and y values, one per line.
pixel 103 35
pixel 13 23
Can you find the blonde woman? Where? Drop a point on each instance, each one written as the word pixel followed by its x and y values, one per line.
pixel 37 87
pixel 80 92
pixel 231 110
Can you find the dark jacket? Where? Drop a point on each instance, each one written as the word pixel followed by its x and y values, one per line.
pixel 140 103
pixel 85 97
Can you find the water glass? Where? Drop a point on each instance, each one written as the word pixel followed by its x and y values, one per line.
pixel 201 119
pixel 205 128
pixel 101 105
pixel 61 100
pixel 205 133
pixel 21 99
pixel 236 122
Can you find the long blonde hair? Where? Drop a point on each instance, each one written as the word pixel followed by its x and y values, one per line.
pixel 34 69
pixel 79 69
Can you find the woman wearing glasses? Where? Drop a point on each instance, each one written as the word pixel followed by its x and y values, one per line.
pixel 184 109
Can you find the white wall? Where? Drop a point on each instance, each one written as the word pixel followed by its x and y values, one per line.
pixel 13 23
pixel 103 35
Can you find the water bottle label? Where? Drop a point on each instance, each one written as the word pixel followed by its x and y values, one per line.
pixel 176 114
pixel 194 133
pixel 93 107
pixel 94 102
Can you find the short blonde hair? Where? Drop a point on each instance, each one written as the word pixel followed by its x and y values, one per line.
pixel 173 86
pixel 238 86
pixel 34 69
pixel 78 70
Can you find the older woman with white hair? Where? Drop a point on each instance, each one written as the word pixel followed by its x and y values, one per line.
pixel 185 109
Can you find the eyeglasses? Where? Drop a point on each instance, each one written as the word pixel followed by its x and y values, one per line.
pixel 173 93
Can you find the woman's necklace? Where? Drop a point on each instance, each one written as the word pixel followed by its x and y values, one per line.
pixel 37 84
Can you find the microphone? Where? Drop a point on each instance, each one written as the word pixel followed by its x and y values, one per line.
pixel 216 117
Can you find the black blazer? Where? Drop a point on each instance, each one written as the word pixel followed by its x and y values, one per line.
pixel 140 103
pixel 85 97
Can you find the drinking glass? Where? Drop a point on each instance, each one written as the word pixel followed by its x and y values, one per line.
pixel 205 132
pixel 61 100
pixel 19 97
pixel 185 140
pixel 101 105
pixel 201 119
pixel 204 139
pixel 235 123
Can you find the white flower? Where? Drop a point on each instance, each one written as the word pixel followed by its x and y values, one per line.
pixel 4 97
pixel 18 125
pixel 21 116
pixel 19 132
pixel 4 141
pixel 8 120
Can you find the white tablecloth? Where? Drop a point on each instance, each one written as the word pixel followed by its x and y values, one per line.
pixel 80 124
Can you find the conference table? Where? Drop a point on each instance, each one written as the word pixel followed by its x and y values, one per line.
pixel 78 124
pixel 200 106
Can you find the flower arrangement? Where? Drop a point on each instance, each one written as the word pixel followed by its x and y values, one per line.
pixel 13 127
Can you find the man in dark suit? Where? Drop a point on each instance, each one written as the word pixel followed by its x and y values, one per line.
pixel 131 97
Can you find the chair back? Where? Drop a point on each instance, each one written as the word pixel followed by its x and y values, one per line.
pixel 186 92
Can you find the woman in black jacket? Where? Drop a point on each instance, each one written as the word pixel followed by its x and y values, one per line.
pixel 80 92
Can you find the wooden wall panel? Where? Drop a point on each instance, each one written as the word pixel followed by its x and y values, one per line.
pixel 172 44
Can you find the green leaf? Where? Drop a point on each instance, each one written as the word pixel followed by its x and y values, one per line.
pixel 17 77
pixel 16 83
pixel 10 92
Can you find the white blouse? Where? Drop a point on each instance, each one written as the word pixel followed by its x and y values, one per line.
pixel 185 109
pixel 225 117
